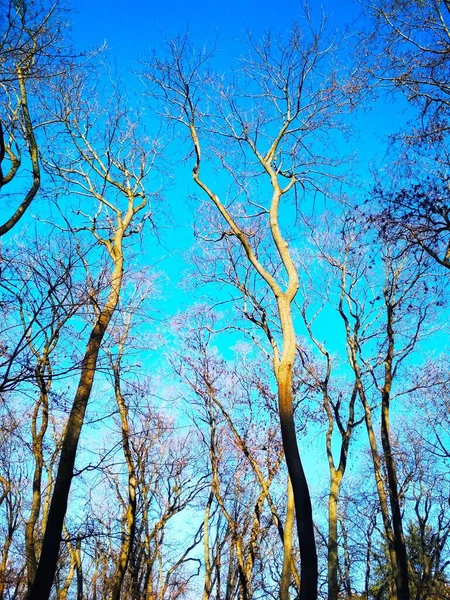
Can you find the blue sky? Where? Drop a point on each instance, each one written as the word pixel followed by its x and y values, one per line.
pixel 142 25
pixel 132 33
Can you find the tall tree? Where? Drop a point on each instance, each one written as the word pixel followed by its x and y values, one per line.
pixel 267 130
pixel 31 36
pixel 105 162
pixel 244 458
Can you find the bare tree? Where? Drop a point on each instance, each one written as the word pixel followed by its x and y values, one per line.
pixel 112 174
pixel 166 486
pixel 338 399
pixel 238 498
pixel 411 47
pixel 12 481
pixel 403 312
pixel 30 53
pixel 409 53
pixel 259 131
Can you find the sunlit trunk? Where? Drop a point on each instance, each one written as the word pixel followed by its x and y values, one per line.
pixel 303 509
pixel 333 562
pixel 37 448
pixel 286 573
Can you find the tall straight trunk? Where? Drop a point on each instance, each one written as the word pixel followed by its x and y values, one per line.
pixel 333 562
pixel 129 525
pixel 30 551
pixel 62 594
pixel 367 570
pixel 79 567
pixel 402 575
pixel 303 509
pixel 382 497
pixel 347 563
pixel 208 570
pixel 37 448
pixel 395 557
pixel 376 461
pixel 42 585
pixel 287 543
pixel 336 477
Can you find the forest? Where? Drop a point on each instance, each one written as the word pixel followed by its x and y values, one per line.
pixel 224 269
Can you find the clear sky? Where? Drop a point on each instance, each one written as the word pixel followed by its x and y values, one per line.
pixel 141 25
pixel 132 32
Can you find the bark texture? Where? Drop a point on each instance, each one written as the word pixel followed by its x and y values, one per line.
pixel 43 581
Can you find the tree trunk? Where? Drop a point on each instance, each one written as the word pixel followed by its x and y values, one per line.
pixel 380 486
pixel 333 563
pixel 37 448
pixel 402 575
pixel 208 571
pixel 129 526
pixel 43 581
pixel 303 509
pixel 4 563
pixel 287 544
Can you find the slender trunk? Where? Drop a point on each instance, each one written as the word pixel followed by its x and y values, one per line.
pixel 37 448
pixel 218 565
pixel 94 579
pixel 347 562
pixel 379 481
pixel 368 559
pixel 254 540
pixel 43 581
pixel 402 575
pixel 62 595
pixel 13 511
pixel 287 544
pixel 236 539
pixel 379 484
pixel 129 526
pixel 333 562
pixel 4 563
pixel 231 576
pixel 79 567
pixel 207 587
pixel 303 509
